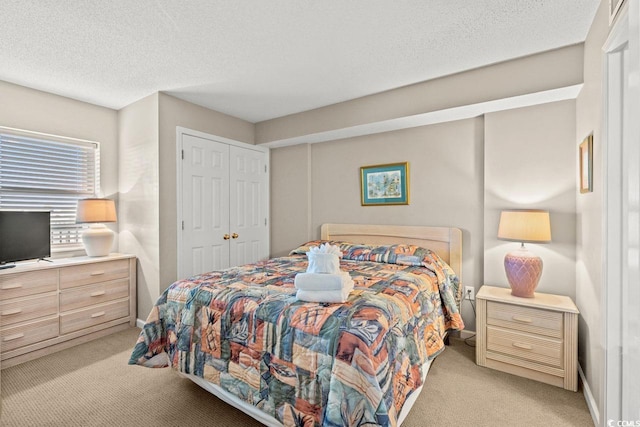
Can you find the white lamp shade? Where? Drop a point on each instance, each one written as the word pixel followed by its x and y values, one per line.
pixel 525 226
pixel 96 210
pixel 97 239
pixel 523 268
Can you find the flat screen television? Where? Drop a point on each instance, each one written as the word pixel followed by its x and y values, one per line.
pixel 24 235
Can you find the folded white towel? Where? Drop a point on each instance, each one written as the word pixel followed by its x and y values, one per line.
pixel 326 248
pixel 324 296
pixel 324 259
pixel 323 263
pixel 323 282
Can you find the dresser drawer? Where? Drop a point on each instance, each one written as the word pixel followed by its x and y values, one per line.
pixel 530 347
pixel 84 296
pixel 91 316
pixel 14 311
pixel 93 273
pixel 28 283
pixel 19 336
pixel 526 319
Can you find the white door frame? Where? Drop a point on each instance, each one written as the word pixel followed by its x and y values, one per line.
pixel 621 220
pixel 180 131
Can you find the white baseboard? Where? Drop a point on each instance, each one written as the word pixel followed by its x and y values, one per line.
pixel 591 402
pixel 139 323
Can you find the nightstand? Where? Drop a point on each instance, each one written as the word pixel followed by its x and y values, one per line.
pixel 535 338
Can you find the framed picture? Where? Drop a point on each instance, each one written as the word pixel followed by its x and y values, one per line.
pixel 385 184
pixel 586 164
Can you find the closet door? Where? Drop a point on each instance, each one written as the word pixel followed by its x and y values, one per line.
pixel 205 206
pixel 248 206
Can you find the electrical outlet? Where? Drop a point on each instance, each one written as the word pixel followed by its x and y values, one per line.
pixel 469 293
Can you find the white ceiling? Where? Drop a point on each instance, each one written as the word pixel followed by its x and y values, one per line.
pixel 258 59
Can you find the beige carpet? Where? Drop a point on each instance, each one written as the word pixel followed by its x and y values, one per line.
pixel 92 385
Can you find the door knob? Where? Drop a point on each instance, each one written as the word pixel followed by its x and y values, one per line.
pixel 234 236
pixel 226 237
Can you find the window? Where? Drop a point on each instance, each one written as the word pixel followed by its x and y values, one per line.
pixel 42 172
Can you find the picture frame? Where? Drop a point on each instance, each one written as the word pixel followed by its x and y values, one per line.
pixel 386 184
pixel 585 155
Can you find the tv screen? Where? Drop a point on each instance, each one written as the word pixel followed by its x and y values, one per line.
pixel 24 235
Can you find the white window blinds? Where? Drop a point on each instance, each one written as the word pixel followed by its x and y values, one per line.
pixel 41 174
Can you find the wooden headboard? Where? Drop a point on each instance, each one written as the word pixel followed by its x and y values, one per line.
pixel 446 242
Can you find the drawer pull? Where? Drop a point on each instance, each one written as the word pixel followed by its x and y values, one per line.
pixel 97 293
pixel 97 273
pixel 13 337
pixel 14 286
pixel 522 319
pixel 10 312
pixel 522 346
pixel 98 314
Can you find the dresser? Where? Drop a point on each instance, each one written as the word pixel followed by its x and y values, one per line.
pixel 536 338
pixel 47 307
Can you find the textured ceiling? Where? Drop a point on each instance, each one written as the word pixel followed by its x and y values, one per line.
pixel 258 59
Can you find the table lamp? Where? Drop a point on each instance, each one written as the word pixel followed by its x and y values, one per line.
pixel 524 268
pixel 97 239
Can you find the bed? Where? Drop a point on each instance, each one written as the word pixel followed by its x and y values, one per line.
pixel 242 335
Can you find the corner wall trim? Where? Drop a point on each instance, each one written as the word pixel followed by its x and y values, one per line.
pixel 591 402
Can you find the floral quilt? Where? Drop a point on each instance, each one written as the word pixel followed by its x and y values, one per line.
pixel 305 363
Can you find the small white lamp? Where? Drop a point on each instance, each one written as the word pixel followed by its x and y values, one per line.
pixel 524 268
pixel 97 239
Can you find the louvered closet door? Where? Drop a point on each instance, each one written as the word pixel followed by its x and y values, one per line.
pixel 248 205
pixel 205 205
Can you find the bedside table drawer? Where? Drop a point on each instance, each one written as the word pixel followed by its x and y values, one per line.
pixel 525 346
pixel 93 273
pixel 537 321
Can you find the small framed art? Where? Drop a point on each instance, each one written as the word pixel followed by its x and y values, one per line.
pixel 586 164
pixel 384 184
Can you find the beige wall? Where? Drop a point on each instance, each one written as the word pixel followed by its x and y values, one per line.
pixel 148 210
pixel 138 212
pixel 589 273
pixel 462 174
pixel 38 111
pixel 530 164
pixel 290 192
pixel 173 112
pixel 549 70
pixel 446 177
pixel 34 110
pixel 472 168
